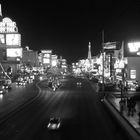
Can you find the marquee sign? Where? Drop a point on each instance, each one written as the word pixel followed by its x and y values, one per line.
pixel 13 39
pixel 8 26
pixel 132 49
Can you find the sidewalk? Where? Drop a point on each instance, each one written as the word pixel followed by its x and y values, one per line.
pixel 133 120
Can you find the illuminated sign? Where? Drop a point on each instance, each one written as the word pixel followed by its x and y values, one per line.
pixel 54 56
pixel 14 52
pixel 111 46
pixel 8 26
pixel 46 51
pixel 132 49
pixel 2 39
pixel 119 64
pixel 47 55
pixel 13 39
pixel 54 62
pixel 133 74
pixel 46 61
pixel 118 70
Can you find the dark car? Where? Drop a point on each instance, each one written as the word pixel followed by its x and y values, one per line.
pixel 79 84
pixel 2 88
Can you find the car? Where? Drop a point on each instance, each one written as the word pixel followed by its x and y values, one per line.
pixel 20 83
pixel 2 90
pixel 8 84
pixel 79 83
pixel 2 87
pixel 132 85
pixel 54 123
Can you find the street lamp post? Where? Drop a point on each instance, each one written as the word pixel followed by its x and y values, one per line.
pixel 103 94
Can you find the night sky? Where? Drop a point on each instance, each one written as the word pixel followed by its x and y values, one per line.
pixel 66 26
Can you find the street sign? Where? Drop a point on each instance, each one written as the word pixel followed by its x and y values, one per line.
pixel 109 46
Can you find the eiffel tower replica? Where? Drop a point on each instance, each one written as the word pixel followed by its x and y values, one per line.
pixel 89 51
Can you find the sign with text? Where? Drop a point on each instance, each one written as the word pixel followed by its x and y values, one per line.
pixel 8 26
pixel 109 46
pixel 132 49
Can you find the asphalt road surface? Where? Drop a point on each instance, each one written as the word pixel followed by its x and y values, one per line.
pixel 83 116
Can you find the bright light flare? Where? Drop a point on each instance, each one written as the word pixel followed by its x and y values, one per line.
pixel 54 63
pixel 1 96
pixel 134 46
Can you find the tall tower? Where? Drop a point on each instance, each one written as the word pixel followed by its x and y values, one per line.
pixel 89 51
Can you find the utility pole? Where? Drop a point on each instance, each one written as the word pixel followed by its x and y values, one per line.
pixel 103 94
pixel 4 71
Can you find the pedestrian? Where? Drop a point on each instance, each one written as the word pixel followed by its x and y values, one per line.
pixel 128 106
pixel 122 105
pixel 125 89
pixel 133 105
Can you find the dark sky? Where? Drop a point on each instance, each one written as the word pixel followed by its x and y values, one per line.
pixel 66 26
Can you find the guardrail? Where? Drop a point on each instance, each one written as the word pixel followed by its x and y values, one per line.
pixel 124 123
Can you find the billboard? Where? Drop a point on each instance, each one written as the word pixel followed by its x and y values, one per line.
pixel 13 39
pixel 109 46
pixel 132 49
pixel 14 52
pixel 8 26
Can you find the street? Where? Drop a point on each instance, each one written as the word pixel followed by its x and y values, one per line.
pixel 83 116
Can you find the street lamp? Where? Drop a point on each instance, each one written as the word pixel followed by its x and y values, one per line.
pixel 103 94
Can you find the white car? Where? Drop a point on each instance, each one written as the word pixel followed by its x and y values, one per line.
pixel 54 124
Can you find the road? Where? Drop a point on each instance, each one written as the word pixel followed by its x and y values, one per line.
pixel 83 115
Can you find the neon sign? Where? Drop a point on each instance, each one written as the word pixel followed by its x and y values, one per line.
pixel 134 47
pixel 46 51
pixel 8 26
pixel 13 39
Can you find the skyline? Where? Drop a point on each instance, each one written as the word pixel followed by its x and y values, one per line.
pixel 68 27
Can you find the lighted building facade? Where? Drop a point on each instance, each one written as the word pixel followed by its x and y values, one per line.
pixel 30 57
pixel 10 44
pixel 45 58
pixel 132 55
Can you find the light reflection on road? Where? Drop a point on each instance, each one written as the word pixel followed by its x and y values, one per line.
pixel 1 97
